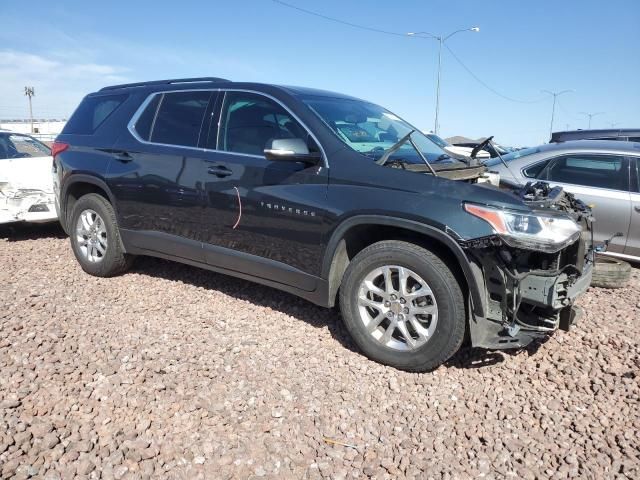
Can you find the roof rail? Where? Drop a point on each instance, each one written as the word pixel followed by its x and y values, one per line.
pixel 167 82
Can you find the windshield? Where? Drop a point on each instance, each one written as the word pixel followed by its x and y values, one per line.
pixel 370 130
pixel 437 140
pixel 21 146
pixel 512 156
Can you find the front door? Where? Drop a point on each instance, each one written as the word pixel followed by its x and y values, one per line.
pixel 601 181
pixel 633 243
pixel 270 211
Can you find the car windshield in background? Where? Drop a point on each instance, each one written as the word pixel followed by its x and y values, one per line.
pixel 512 156
pixel 21 146
pixel 437 140
pixel 371 130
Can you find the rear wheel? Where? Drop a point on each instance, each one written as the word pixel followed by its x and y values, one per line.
pixel 95 238
pixel 403 306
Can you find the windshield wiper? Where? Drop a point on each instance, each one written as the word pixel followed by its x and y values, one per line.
pixel 393 149
pixel 396 146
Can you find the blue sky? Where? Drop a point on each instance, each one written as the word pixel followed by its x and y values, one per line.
pixel 67 49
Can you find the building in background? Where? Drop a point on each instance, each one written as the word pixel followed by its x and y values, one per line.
pixel 43 129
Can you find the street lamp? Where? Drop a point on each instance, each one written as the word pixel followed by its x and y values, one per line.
pixel 553 109
pixel 591 115
pixel 441 39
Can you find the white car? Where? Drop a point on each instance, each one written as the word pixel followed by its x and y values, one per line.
pixel 461 153
pixel 26 183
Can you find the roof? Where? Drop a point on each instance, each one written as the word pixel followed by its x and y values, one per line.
pixel 314 92
pixel 595 133
pixel 602 145
pixel 202 82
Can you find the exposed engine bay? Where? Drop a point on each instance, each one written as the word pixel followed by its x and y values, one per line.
pixel 530 293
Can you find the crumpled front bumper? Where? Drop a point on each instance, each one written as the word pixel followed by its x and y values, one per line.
pixel 24 205
pixel 539 303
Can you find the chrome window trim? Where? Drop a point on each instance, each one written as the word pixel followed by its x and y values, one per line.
pixel 145 103
pixel 527 167
pixel 601 154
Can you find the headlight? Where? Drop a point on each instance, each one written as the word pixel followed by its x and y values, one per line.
pixel 547 233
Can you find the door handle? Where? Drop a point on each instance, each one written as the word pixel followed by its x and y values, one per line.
pixel 123 157
pixel 219 171
pixel 637 208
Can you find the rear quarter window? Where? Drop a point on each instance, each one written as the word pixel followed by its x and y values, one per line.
pixel 93 112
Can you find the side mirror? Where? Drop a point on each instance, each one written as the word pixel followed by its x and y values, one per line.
pixel 290 150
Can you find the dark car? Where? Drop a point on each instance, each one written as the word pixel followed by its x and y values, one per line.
pixel 619 134
pixel 326 196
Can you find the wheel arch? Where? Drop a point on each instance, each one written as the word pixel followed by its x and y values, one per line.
pixel 358 232
pixel 75 187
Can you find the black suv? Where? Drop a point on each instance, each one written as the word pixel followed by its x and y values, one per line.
pixel 329 197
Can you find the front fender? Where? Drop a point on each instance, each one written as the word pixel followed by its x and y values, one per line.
pixel 474 282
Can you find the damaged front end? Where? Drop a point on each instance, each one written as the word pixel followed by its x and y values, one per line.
pixel 531 281
pixel 26 204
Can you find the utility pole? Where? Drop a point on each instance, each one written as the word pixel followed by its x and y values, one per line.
pixel 555 95
pixel 591 115
pixel 613 124
pixel 30 92
pixel 441 39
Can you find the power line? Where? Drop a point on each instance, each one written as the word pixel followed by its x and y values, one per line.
pixel 331 19
pixel 492 90
pixel 397 34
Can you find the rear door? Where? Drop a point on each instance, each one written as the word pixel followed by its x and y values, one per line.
pixel 633 242
pixel 601 181
pixel 157 174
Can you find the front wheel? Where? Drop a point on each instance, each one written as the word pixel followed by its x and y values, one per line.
pixel 403 306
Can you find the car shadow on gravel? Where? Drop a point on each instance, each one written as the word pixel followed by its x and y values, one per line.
pixel 17 232
pixel 259 295
pixel 319 317
pixel 469 357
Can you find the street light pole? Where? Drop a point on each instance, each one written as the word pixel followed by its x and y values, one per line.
pixel 30 92
pixel 555 95
pixel 441 40
pixel 591 115
pixel 436 121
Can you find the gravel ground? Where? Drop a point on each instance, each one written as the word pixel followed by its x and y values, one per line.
pixel 174 372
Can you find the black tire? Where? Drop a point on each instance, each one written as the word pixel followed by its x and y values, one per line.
pixel 609 272
pixel 114 261
pixel 450 328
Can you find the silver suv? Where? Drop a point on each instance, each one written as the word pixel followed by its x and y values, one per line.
pixel 603 174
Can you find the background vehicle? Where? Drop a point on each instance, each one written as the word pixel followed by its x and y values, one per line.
pixel 619 134
pixel 325 196
pixel 604 174
pixel 26 187
pixel 456 151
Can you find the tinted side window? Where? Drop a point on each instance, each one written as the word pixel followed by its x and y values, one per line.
pixel 249 121
pixel 634 139
pixel 179 118
pixel 534 170
pixel 145 121
pixel 92 113
pixel 603 171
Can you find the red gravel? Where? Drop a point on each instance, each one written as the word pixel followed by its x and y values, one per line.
pixel 174 372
